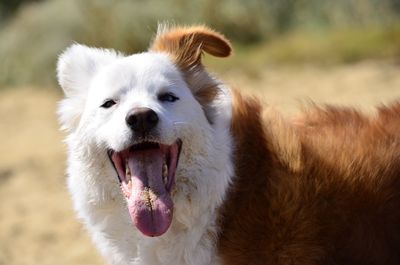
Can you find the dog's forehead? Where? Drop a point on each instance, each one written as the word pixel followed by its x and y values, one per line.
pixel 144 71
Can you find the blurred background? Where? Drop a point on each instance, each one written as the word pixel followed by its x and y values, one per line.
pixel 285 51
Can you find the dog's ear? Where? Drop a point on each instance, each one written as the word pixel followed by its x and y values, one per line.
pixel 186 44
pixel 75 69
pixel 77 65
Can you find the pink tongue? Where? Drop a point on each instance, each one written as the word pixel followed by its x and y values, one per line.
pixel 150 205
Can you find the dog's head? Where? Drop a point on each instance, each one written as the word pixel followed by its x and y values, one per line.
pixel 149 112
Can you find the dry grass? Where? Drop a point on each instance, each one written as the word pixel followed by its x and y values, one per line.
pixel 37 225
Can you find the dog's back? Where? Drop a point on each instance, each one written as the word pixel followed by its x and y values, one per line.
pixel 322 190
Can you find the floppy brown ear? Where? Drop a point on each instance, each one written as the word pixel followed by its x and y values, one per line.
pixel 186 44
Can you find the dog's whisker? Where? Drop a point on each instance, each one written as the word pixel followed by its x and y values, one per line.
pixel 180 122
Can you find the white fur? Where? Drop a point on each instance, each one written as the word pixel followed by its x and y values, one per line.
pixel 89 76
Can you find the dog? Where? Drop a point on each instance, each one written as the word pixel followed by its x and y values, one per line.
pixel 167 165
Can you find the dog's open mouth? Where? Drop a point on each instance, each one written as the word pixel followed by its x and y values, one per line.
pixel 146 172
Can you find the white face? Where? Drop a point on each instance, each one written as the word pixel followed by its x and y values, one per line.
pixel 147 80
pixel 140 112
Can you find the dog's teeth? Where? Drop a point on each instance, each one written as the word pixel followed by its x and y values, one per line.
pixel 127 171
pixel 165 173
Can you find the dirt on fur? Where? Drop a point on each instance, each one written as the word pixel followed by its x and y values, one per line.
pixel 37 223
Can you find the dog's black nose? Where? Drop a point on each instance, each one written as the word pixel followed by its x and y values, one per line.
pixel 142 120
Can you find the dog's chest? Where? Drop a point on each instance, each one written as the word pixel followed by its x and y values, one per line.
pixel 179 249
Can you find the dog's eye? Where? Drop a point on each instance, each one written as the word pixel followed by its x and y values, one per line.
pixel 108 103
pixel 167 97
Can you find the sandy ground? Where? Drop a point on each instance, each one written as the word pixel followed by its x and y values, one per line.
pixel 37 225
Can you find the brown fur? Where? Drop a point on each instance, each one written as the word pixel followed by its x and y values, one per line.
pixel 323 190
pixel 186 44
